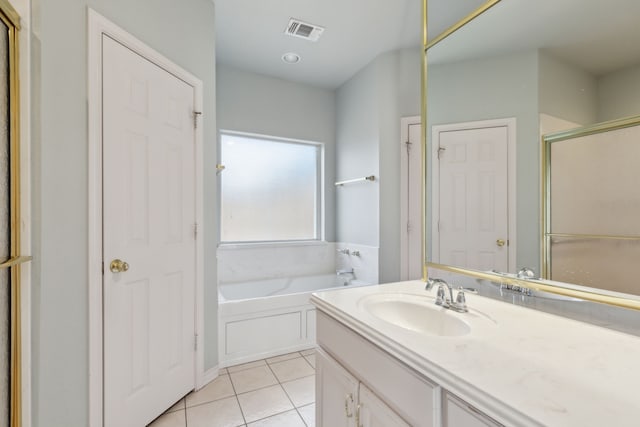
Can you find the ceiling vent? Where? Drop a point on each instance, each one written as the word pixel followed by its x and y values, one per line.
pixel 304 30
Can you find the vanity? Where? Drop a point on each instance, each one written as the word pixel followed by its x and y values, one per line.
pixel 389 356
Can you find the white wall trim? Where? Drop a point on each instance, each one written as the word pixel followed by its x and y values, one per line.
pixel 405 122
pixel 510 123
pixel 208 376
pixel 97 26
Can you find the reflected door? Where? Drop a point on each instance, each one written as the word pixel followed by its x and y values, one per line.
pixel 472 226
pixel 149 240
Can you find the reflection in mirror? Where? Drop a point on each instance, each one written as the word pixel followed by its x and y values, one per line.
pixel 547 65
pixel 347 94
pixel 592 232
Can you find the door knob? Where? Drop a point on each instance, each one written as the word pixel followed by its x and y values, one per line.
pixel 500 242
pixel 118 266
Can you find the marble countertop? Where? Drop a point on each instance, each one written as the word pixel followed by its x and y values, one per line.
pixel 523 367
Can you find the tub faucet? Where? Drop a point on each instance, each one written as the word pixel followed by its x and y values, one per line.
pixel 344 271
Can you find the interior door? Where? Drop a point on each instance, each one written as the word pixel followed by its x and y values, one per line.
pixel 473 198
pixel 148 235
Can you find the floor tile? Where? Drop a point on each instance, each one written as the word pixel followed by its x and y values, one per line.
pixel 283 357
pixel 170 419
pixel 179 405
pixel 308 414
pixel 292 369
pixel 221 413
pixel 252 379
pixel 301 391
pixel 244 366
pixel 286 419
pixel 263 403
pixel 308 351
pixel 223 371
pixel 311 358
pixel 217 389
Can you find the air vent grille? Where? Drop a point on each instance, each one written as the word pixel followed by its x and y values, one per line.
pixel 303 30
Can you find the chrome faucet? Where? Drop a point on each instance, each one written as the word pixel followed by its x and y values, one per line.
pixel 444 296
pixel 343 272
pixel 526 273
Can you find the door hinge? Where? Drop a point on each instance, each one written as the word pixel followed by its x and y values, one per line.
pixel 408 227
pixel 440 151
pixel 195 342
pixel 408 145
pixel 195 230
pixel 196 114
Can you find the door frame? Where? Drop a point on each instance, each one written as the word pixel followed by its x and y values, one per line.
pixel 405 122
pixel 97 26
pixel 510 124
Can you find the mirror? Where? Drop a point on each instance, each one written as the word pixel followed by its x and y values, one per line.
pixel 516 72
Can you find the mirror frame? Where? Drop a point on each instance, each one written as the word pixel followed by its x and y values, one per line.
pixel 11 19
pixel 565 289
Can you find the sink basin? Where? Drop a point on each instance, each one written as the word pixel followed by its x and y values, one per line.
pixel 416 313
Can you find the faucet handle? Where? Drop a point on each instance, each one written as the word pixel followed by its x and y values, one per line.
pixel 441 298
pixel 461 301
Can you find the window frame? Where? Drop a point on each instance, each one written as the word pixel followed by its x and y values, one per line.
pixel 319 217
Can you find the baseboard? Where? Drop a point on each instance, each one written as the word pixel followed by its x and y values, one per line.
pixel 208 376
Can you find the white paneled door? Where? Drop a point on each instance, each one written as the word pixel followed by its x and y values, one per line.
pixel 149 237
pixel 473 216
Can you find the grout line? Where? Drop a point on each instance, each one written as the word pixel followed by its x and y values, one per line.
pixel 235 394
pixel 186 423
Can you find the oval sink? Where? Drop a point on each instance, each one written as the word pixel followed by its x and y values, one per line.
pixel 415 313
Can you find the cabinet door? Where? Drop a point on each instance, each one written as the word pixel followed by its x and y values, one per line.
pixel 336 393
pixel 458 413
pixel 373 412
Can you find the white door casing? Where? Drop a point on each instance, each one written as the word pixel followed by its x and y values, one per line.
pixel 152 203
pixel 473 198
pixel 411 259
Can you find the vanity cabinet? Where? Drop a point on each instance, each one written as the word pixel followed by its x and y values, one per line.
pixel 342 400
pixel 458 413
pixel 336 393
pixel 360 385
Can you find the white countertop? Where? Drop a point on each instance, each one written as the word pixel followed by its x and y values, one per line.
pixel 522 366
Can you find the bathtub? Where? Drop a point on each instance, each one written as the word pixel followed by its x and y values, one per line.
pixel 265 318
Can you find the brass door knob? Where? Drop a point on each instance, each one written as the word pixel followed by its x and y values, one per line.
pixel 118 266
pixel 500 242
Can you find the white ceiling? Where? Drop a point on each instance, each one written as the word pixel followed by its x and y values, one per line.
pixel 250 35
pixel 597 35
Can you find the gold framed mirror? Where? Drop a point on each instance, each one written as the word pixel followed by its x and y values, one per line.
pixel 11 257
pixel 551 67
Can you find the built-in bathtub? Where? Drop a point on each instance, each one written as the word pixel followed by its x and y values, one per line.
pixel 264 318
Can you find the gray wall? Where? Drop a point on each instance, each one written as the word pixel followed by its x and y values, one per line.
pixel 182 31
pixel 357 155
pixel 566 91
pixel 619 94
pixel 399 95
pixel 255 103
pixel 369 108
pixel 501 87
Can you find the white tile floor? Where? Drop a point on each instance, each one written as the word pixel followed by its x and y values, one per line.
pixel 275 392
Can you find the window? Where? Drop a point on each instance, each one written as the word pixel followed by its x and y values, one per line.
pixel 271 189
